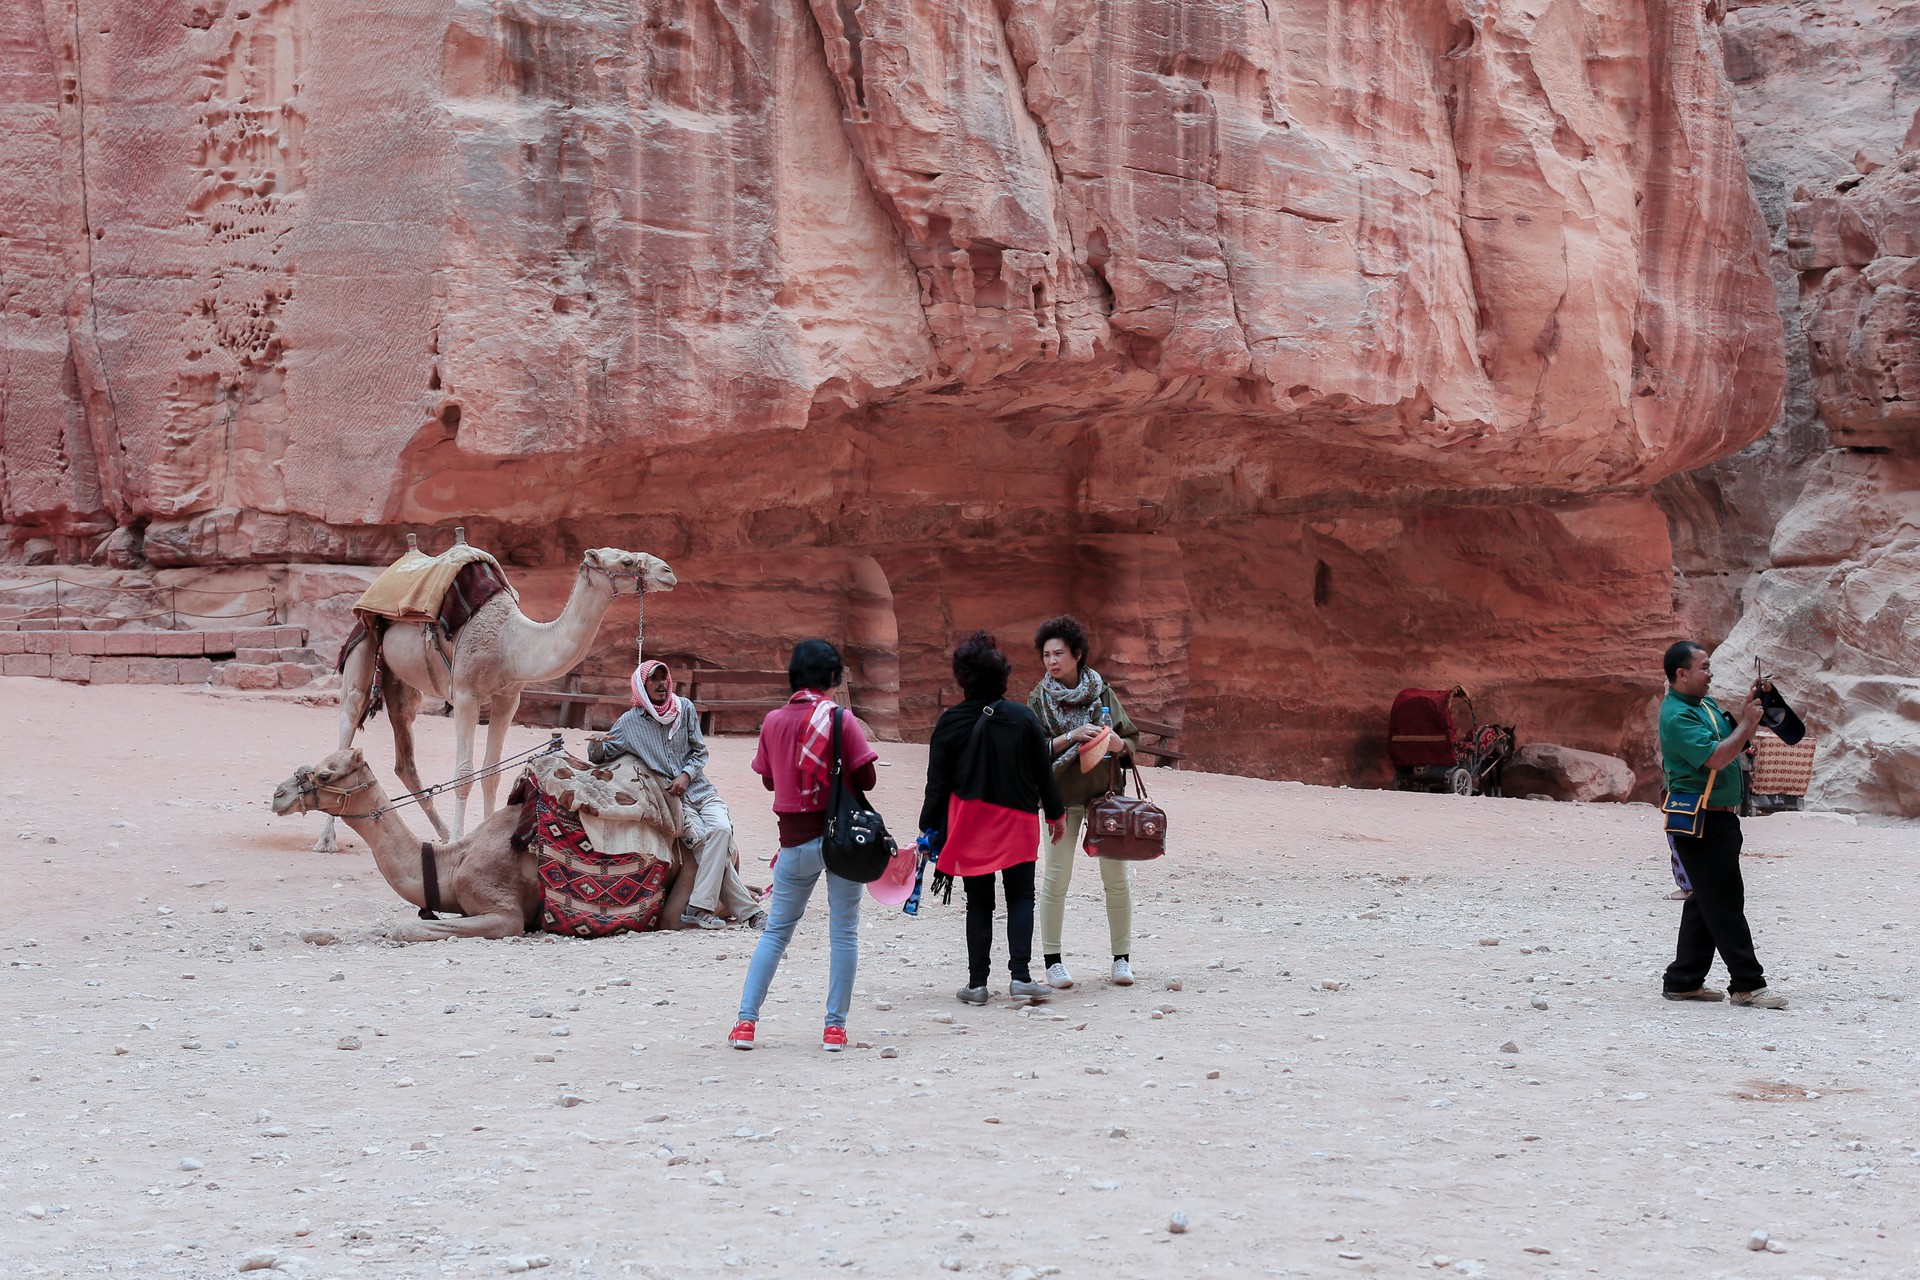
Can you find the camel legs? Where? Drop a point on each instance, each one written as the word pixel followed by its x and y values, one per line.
pixel 466 718
pixel 498 924
pixel 403 703
pixel 356 687
pixel 500 713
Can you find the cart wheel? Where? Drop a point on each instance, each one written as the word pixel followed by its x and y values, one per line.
pixel 1460 780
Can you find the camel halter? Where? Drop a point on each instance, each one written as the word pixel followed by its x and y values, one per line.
pixel 615 577
pixel 310 787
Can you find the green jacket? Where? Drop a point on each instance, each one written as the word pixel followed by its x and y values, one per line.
pixel 1077 788
pixel 1691 729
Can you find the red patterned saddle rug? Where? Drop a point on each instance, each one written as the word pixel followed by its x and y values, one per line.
pixel 589 894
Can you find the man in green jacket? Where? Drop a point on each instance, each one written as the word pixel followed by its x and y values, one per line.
pixel 1700 746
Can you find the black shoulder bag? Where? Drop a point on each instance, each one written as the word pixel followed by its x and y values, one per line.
pixel 856 846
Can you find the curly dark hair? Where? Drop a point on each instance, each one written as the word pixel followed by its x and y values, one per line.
pixel 815 664
pixel 981 668
pixel 1067 629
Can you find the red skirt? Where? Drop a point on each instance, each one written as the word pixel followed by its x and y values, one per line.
pixel 983 838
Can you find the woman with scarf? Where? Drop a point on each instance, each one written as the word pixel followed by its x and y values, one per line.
pixel 1068 702
pixel 988 773
pixel 794 761
pixel 663 733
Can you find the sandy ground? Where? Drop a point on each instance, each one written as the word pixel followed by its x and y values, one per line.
pixel 1325 1092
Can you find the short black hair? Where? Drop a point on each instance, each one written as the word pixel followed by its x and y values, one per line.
pixel 1680 656
pixel 981 668
pixel 1067 629
pixel 815 664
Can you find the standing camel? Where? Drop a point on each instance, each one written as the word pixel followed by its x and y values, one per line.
pixel 496 655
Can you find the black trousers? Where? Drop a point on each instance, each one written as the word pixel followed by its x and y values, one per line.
pixel 1715 917
pixel 1019 883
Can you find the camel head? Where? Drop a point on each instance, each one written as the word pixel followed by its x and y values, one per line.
pixel 328 786
pixel 648 573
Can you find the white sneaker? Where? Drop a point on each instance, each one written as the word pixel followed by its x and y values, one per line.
pixel 1058 978
pixel 1122 973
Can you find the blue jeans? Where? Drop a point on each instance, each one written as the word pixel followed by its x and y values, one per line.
pixel 793 880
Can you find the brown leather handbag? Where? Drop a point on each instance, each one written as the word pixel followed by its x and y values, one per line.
pixel 1132 829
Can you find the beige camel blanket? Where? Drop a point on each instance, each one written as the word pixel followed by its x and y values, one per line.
pixel 623 806
pixel 411 588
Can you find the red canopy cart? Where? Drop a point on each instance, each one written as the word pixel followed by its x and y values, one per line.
pixel 1432 751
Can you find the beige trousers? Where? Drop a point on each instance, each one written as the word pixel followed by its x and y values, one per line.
pixel 1116 878
pixel 709 841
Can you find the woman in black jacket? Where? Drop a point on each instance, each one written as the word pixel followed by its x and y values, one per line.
pixel 988 775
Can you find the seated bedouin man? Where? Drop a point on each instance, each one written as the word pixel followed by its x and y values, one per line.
pixel 663 733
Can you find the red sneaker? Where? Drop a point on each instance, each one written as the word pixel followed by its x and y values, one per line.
pixel 833 1039
pixel 741 1037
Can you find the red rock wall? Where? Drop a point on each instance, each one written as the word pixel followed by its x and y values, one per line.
pixel 1145 309
pixel 1798 549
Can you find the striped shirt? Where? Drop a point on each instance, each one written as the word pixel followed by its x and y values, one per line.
pixel 668 750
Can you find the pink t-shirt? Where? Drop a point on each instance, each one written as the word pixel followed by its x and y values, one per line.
pixel 778 758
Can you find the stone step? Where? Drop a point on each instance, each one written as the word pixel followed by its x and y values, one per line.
pixel 269 675
pixel 130 642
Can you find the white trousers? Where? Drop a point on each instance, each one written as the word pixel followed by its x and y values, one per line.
pixel 709 841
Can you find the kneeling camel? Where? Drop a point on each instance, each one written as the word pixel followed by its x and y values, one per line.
pixel 493 886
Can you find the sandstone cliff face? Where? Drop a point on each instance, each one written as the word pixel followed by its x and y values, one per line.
pixel 1796 547
pixel 1834 615
pixel 1311 350
pixel 1820 88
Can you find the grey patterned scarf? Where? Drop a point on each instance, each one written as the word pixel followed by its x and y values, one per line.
pixel 1069 707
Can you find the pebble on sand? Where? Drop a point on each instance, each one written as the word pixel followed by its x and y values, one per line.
pixel 889 1052
pixel 528 1262
pixel 1177 1224
pixel 1538 1002
pixel 349 1042
pixel 1757 1241
pixel 1509 1047
pixel 259 1260
pixel 190 1164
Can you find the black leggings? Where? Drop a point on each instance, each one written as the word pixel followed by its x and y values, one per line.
pixel 1019 881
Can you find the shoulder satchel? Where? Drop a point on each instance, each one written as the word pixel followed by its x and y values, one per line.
pixel 1132 829
pixel 856 845
pixel 1686 811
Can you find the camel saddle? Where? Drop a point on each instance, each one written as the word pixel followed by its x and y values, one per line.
pixel 444 591
pixel 597 834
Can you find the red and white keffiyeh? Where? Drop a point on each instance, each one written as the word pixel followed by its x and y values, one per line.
pixel 667 712
pixel 815 766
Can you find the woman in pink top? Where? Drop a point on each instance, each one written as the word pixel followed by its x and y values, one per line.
pixel 793 762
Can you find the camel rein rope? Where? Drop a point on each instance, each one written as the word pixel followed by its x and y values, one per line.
pixel 552 746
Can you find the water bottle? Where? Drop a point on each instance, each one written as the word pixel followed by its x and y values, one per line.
pixel 1106 722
